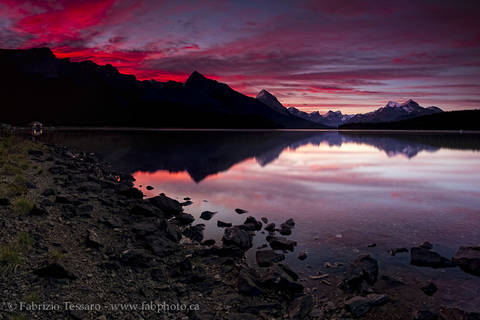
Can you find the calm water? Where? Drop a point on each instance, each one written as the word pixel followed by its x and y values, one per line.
pixel 344 190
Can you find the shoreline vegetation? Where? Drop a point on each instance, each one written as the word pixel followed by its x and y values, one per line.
pixel 78 236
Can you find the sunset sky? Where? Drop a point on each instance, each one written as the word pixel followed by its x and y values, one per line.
pixel 349 55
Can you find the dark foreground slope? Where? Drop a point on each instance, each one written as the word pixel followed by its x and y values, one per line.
pixel 36 85
pixel 453 120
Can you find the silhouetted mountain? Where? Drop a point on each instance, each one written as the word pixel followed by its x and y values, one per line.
pixel 36 85
pixel 452 120
pixel 204 153
pixel 271 101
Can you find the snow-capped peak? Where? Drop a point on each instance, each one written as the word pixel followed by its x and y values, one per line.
pixel 392 104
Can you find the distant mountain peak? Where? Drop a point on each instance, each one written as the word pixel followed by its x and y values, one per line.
pixel 409 102
pixel 392 104
pixel 271 101
pixel 195 76
pixel 264 93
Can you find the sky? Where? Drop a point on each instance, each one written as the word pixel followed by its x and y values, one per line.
pixel 348 55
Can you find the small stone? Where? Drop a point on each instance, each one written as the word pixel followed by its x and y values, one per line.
pixel 38 211
pixel 301 308
pixel 48 192
pixel 394 251
pixel 426 245
pixel 378 299
pixel 207 215
pixel 425 315
pixel 264 220
pixel 247 286
pixel 371 245
pixel 55 270
pixel 468 259
pixel 266 258
pixel 149 188
pixel 302 255
pixel 426 258
pixel 429 289
pixel 93 241
pixel 222 224
pixel 358 306
pixel 281 243
pixel 270 227
pixel 4 202
pixel 240 211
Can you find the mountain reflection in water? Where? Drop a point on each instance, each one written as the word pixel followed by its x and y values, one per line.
pixel 205 153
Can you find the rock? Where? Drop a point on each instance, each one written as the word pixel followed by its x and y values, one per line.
pixel 136 258
pixel 264 220
pixel 149 188
pixel 184 218
pixel 240 211
pixel 93 241
pixel 142 210
pixel 394 251
pixel 426 245
pixel 285 231
pixel 241 316
pixel 207 215
pixel 35 153
pixel 247 286
pixel 266 258
pixel 130 192
pixel 429 289
pixel 57 170
pixel 162 247
pixel 89 187
pixel 458 314
pixel 371 245
pixel 363 271
pixel 62 200
pixel 166 204
pixel 4 202
pixel 172 232
pixel 270 227
pixel 48 192
pixel 424 315
pixel 209 242
pixel 301 307
pixel 285 268
pixel 377 299
pixel 195 232
pixel 222 224
pixel 392 282
pixel 281 243
pixel 276 278
pixel 252 224
pixel 237 237
pixel 426 258
pixel 54 270
pixel 468 259
pixel 143 229
pixel 186 203
pixel 38 211
pixel 358 306
pixel 302 255
pixel 290 223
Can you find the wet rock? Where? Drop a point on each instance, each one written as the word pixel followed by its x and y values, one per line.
pixel 38 211
pixel 425 315
pixel 184 218
pixel 247 286
pixel 166 204
pixel 264 220
pixel 363 271
pixel 429 289
pixel 468 259
pixel 195 232
pixel 237 237
pixel 285 231
pixel 358 306
pixel 426 258
pixel 292 274
pixel 130 192
pixel 371 245
pixel 281 243
pixel 93 240
pixel 302 256
pixel 240 211
pixel 276 278
pixel 149 188
pixel 222 224
pixel 48 192
pixel 270 227
pixel 392 282
pixel 266 258
pixel 301 308
pixel 252 224
pixel 290 223
pixel 55 270
pixel 394 251
pixel 207 215
pixel 4 202
pixel 426 245
pixel 186 203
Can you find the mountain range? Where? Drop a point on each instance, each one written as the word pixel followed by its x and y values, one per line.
pixel 393 111
pixel 35 85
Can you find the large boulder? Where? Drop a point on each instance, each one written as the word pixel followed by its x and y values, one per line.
pixel 468 259
pixel 426 258
pixel 281 243
pixel 362 272
pixel 166 204
pixel 266 258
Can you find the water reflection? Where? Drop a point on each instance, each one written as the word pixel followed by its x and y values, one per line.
pixel 205 153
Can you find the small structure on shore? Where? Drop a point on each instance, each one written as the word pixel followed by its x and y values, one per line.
pixel 37 128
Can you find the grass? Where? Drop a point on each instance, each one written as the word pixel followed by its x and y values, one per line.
pixel 22 205
pixel 12 254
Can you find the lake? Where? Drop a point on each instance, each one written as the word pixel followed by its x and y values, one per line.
pixel 345 190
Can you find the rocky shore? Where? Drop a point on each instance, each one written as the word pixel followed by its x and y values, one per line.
pixel 80 242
